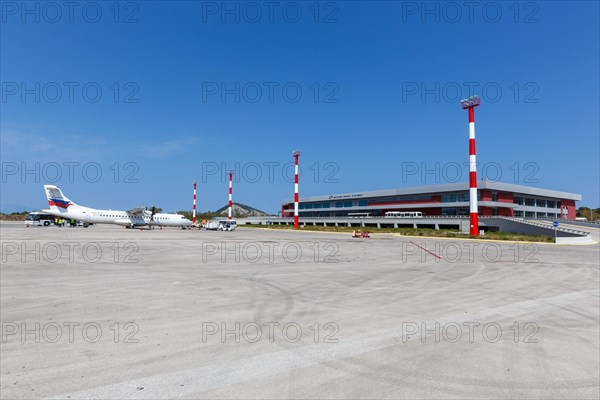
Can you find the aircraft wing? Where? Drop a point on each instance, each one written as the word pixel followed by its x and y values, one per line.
pixel 136 211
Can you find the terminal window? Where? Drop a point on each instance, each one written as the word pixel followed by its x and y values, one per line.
pixel 448 198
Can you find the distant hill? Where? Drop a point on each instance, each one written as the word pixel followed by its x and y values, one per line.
pixel 241 211
pixel 15 208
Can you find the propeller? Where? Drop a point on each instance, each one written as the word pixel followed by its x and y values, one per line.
pixel 152 212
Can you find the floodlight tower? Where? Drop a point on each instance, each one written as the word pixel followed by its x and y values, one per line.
pixel 296 154
pixel 230 194
pixel 470 104
pixel 194 207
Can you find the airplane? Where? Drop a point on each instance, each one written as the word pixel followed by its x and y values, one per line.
pixel 61 206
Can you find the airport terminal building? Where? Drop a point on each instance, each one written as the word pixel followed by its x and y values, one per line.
pixel 494 199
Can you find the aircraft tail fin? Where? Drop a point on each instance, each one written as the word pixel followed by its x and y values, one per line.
pixel 57 201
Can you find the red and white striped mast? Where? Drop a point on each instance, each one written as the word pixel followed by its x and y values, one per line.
pixel 296 154
pixel 470 105
pixel 194 206
pixel 230 194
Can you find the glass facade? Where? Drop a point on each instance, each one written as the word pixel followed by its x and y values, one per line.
pixel 305 206
pixel 389 199
pixel 460 197
pixel 343 204
pixel 536 202
pixel 449 211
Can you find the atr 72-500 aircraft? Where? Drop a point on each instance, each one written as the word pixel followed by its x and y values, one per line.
pixel 62 207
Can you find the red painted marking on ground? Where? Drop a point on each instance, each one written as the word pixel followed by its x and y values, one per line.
pixel 423 248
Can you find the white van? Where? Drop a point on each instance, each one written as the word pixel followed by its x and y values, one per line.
pixel 227 225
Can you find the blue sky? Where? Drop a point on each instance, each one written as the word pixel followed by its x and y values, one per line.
pixel 127 104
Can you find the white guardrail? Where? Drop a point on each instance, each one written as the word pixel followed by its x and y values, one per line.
pixel 549 226
pixel 529 221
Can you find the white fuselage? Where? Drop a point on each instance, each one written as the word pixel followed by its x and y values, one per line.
pixel 94 216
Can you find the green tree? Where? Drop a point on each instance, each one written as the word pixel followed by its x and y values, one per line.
pixel 590 214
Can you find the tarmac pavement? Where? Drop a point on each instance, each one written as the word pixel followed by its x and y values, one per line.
pixel 108 312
